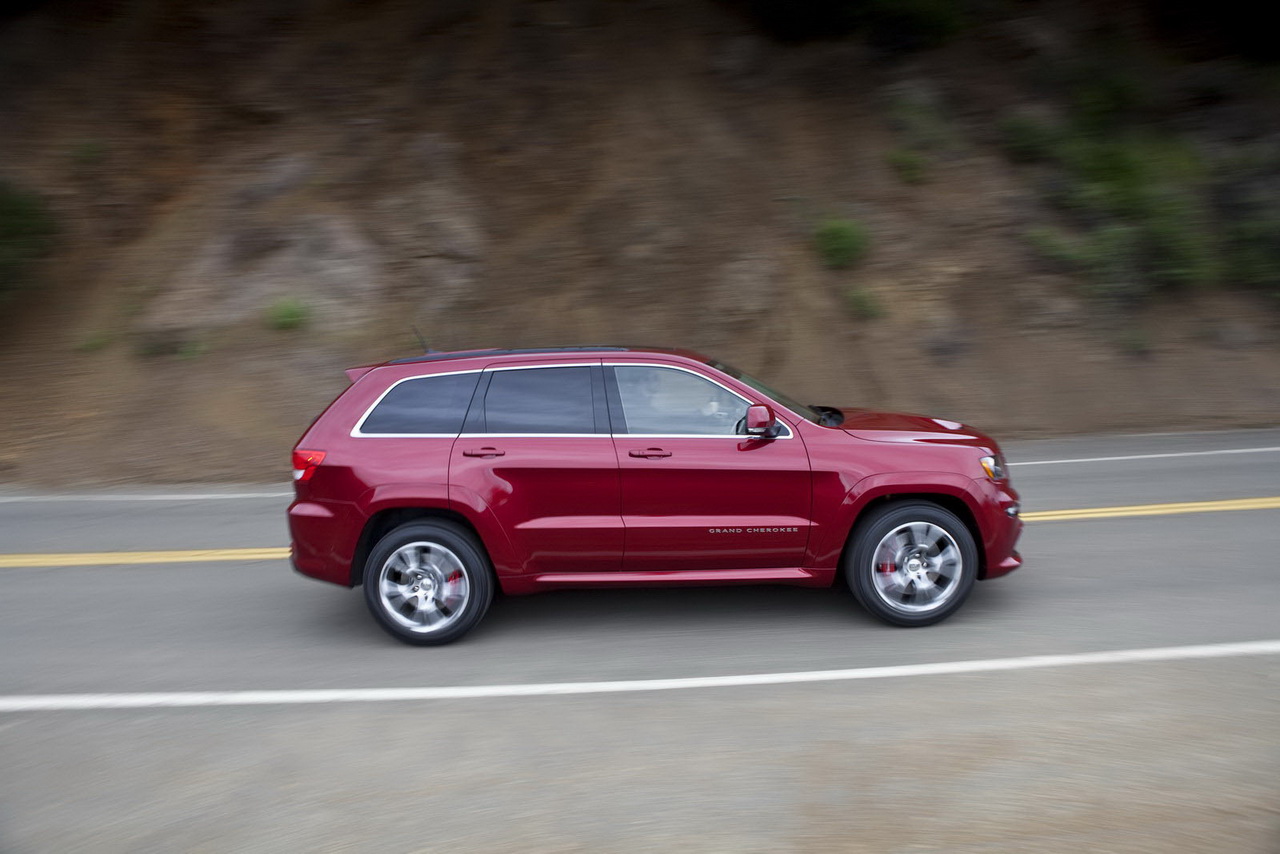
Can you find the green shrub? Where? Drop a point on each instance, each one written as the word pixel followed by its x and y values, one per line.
pixel 1107 257
pixel 1181 245
pixel 288 313
pixel 1253 254
pixel 863 304
pixel 193 349
pixel 88 153
pixel 1058 248
pixel 1134 342
pixel 841 242
pixel 911 166
pixel 95 342
pixel 1141 207
pixel 26 234
pixel 1104 98
pixel 1027 139
pixel 920 122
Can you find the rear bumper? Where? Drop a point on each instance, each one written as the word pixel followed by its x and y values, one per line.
pixel 322 540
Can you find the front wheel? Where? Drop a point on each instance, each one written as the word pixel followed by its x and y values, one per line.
pixel 912 564
pixel 428 583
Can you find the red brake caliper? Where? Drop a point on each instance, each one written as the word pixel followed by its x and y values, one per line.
pixel 886 567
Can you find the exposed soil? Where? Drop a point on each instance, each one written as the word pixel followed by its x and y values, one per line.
pixel 517 174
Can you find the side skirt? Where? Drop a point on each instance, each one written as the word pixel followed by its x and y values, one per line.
pixel 790 575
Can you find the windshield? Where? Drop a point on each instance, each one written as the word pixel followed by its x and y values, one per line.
pixel 798 408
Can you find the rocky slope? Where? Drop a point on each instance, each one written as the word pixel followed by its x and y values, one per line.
pixel 523 173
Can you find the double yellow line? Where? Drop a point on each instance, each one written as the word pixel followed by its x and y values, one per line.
pixel 135 558
pixel 12 561
pixel 1154 509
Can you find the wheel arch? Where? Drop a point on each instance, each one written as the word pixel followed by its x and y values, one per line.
pixel 946 500
pixel 390 518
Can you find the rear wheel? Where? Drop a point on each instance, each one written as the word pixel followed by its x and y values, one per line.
pixel 912 564
pixel 428 582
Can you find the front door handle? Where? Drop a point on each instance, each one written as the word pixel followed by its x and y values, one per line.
pixel 483 452
pixel 649 453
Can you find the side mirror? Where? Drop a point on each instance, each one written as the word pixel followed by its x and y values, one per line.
pixel 761 422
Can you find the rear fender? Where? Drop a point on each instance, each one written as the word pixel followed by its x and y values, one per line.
pixel 506 560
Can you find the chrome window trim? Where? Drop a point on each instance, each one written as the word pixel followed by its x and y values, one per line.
pixel 358 433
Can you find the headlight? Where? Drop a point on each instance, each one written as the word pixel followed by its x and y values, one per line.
pixel 994 467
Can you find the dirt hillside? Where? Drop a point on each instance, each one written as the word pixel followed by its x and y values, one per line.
pixel 252 196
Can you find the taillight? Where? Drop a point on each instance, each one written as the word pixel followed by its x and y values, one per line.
pixel 305 464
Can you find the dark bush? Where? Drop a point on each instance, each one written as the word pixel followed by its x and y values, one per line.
pixel 26 234
pixel 841 242
pixel 1028 139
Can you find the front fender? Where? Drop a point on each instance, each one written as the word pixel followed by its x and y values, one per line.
pixel 829 540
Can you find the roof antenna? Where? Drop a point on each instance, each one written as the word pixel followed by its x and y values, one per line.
pixel 421 340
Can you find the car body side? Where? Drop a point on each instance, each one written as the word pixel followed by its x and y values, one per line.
pixel 370 484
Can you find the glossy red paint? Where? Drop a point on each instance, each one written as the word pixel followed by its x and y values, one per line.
pixel 597 509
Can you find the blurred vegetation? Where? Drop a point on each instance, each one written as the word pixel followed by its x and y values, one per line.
pixel 841 242
pixel 99 340
pixel 863 304
pixel 923 130
pixel 193 349
pixel 27 230
pixel 288 313
pixel 912 166
pixel 1137 199
pixel 919 121
pixel 1028 139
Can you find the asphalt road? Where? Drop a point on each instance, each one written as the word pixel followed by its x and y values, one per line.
pixel 1139 756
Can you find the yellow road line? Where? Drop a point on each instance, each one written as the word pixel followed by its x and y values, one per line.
pixel 12 561
pixel 133 558
pixel 1154 509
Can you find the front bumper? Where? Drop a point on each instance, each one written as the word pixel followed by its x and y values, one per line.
pixel 1002 527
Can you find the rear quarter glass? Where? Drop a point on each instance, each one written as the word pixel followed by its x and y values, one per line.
pixel 422 405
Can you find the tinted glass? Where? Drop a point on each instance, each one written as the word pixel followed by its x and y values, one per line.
pixel 667 401
pixel 797 408
pixel 426 405
pixel 540 400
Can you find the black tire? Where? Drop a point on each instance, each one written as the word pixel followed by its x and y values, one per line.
pixel 428 583
pixel 911 564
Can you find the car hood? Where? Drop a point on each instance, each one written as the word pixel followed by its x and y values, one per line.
pixel 904 427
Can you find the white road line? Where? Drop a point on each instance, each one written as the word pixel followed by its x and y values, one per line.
pixel 202 496
pixel 85 702
pixel 1146 456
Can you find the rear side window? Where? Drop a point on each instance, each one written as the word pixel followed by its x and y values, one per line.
pixel 423 405
pixel 540 400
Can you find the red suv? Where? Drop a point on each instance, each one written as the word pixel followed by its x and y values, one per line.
pixel 435 479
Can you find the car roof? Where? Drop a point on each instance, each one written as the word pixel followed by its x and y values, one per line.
pixel 597 349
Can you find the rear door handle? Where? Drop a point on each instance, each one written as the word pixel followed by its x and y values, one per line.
pixel 649 453
pixel 483 452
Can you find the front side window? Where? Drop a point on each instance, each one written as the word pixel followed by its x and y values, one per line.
pixel 800 409
pixel 672 402
pixel 423 405
pixel 540 400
